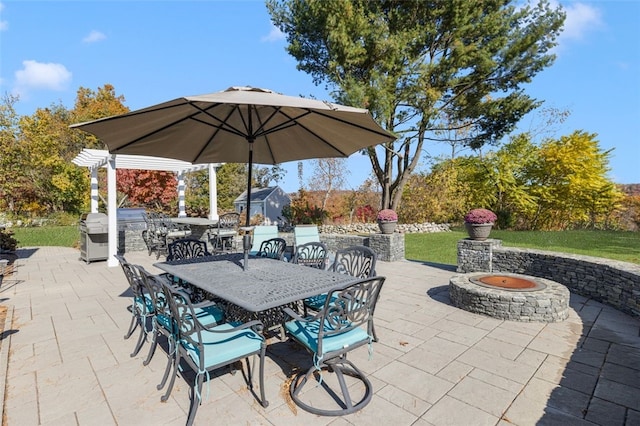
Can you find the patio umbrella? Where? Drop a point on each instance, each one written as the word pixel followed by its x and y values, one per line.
pixel 240 125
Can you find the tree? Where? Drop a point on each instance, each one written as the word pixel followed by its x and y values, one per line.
pixel 152 189
pixel 422 66
pixel 570 183
pixel 329 174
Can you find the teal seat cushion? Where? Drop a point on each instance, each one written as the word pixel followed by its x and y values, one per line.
pixel 307 334
pixel 221 348
pixel 144 304
pixel 317 302
pixel 209 315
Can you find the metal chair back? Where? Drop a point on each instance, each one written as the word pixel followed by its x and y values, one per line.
pixel 187 248
pixel 357 261
pixel 312 254
pixel 273 248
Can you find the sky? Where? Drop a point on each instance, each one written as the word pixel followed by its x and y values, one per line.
pixel 155 51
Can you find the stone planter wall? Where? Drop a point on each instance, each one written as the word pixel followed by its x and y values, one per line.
pixel 608 281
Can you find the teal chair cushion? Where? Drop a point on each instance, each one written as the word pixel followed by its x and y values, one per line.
pixel 317 302
pixel 209 315
pixel 307 334
pixel 144 304
pixel 221 348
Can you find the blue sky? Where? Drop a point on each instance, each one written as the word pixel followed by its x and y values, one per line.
pixel 154 51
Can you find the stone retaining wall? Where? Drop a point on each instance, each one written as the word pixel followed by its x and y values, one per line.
pixel 612 282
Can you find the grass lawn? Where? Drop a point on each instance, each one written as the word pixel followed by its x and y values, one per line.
pixel 438 247
pixel 441 247
pixel 60 236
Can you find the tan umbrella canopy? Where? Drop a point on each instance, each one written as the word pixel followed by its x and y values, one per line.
pixel 240 125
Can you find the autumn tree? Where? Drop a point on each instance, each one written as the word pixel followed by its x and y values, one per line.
pixel 152 189
pixel 570 183
pixel 420 67
pixel 438 196
pixel 329 175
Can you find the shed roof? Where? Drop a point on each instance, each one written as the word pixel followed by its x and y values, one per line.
pixel 258 194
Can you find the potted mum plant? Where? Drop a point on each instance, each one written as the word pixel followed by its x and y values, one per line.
pixel 387 221
pixel 479 223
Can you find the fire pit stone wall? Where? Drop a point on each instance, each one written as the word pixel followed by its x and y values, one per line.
pixel 612 282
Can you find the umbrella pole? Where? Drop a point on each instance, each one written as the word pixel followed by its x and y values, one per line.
pixel 246 238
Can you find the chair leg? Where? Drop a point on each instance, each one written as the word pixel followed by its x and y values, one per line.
pixel 195 401
pixel 341 367
pixel 133 325
pixel 152 349
pixel 176 363
pixel 141 338
pixel 168 369
pixel 263 398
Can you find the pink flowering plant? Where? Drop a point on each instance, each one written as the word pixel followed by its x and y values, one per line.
pixel 387 215
pixel 479 216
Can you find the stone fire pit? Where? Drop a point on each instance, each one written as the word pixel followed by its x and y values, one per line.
pixel 510 296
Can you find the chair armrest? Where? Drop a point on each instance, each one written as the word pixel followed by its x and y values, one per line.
pixel 204 304
pixel 258 325
pixel 293 314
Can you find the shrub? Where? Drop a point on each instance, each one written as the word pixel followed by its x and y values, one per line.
pixel 7 242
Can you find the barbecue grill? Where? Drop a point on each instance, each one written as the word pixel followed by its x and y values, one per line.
pixel 94 237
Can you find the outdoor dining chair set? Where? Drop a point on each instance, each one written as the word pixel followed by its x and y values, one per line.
pixel 195 333
pixel 200 335
pixel 161 231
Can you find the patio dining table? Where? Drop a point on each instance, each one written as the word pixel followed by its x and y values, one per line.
pixel 266 285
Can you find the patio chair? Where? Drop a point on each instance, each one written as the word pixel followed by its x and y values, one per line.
pixel 141 307
pixel 273 248
pixel 188 248
pixel 153 236
pixel 262 233
pixel 357 261
pixel 336 330
pixel 303 234
pixel 313 254
pixel 208 313
pixel 205 348
pixel 224 233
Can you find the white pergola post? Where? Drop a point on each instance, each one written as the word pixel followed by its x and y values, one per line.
pixel 94 190
pixel 112 209
pixel 94 159
pixel 181 205
pixel 213 193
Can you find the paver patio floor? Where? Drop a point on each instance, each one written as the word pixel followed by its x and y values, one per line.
pixel 65 362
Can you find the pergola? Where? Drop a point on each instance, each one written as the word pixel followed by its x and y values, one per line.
pixel 94 159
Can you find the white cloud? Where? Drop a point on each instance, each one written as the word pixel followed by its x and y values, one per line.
pixel 581 19
pixel 94 36
pixel 4 25
pixel 274 35
pixel 38 75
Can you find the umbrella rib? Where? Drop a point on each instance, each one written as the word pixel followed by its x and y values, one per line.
pixel 146 135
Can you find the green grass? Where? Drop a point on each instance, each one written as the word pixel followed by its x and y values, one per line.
pixel 441 247
pixel 438 247
pixel 59 236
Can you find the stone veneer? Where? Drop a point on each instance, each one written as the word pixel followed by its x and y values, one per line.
pixel 549 304
pixel 612 282
pixel 389 247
